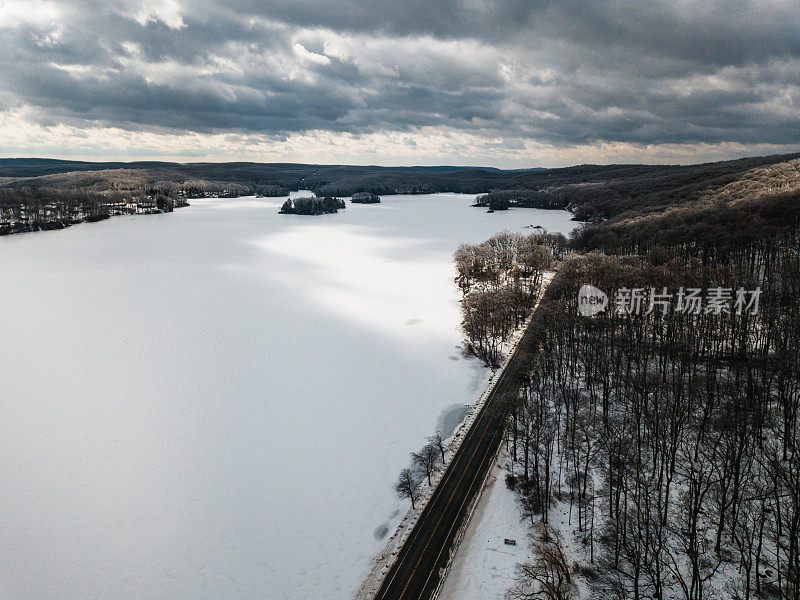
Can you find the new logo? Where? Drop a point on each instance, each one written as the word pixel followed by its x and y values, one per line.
pixel 591 300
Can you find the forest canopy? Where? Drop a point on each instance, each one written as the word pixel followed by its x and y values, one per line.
pixel 670 437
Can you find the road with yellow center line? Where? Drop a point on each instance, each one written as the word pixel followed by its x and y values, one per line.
pixel 416 573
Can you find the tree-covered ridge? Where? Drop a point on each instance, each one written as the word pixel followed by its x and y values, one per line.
pixel 605 189
pixel 670 437
pixel 595 193
pixel 751 210
pixel 40 193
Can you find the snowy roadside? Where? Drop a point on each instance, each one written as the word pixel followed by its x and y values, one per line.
pixel 387 557
pixel 483 566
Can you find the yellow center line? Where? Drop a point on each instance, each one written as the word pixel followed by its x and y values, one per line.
pixel 447 476
pixel 501 381
pixel 488 454
pixel 435 527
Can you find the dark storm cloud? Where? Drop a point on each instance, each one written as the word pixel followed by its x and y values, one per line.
pixel 561 73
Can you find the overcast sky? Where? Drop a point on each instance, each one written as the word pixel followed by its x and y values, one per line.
pixel 506 83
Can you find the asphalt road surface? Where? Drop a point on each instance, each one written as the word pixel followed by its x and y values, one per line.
pixel 417 571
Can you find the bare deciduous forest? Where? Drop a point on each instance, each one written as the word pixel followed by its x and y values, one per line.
pixel 669 438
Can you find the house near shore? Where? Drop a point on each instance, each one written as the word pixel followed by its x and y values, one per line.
pixel 117 208
pixel 147 206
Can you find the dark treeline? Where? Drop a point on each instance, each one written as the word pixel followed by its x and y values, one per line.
pixel 506 199
pixel 670 435
pixel 277 179
pixel 365 198
pixel 32 210
pixel 593 193
pixel 312 206
pixel 708 232
pixel 24 210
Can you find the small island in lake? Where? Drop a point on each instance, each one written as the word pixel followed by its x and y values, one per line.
pixel 312 206
pixel 365 198
pixel 493 202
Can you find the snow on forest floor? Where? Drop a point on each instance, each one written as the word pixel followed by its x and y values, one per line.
pixel 576 544
pixel 484 566
pixel 564 521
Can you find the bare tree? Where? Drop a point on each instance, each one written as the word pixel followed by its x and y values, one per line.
pixel 408 486
pixel 437 441
pixel 549 576
pixel 425 460
pixel 675 433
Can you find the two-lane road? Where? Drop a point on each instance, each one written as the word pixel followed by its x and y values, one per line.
pixel 417 570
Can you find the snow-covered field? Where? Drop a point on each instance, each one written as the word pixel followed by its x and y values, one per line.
pixel 215 403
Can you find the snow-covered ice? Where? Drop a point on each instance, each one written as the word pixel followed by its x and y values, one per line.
pixel 215 403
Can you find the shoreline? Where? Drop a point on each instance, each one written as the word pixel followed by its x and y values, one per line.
pixel 8 227
pixel 386 557
pixel 17 227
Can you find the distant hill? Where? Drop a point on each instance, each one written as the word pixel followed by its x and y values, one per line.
pixel 591 191
pixel 33 167
pixel 601 192
pixel 277 178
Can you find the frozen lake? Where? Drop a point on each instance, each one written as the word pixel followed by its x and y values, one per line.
pixel 215 403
